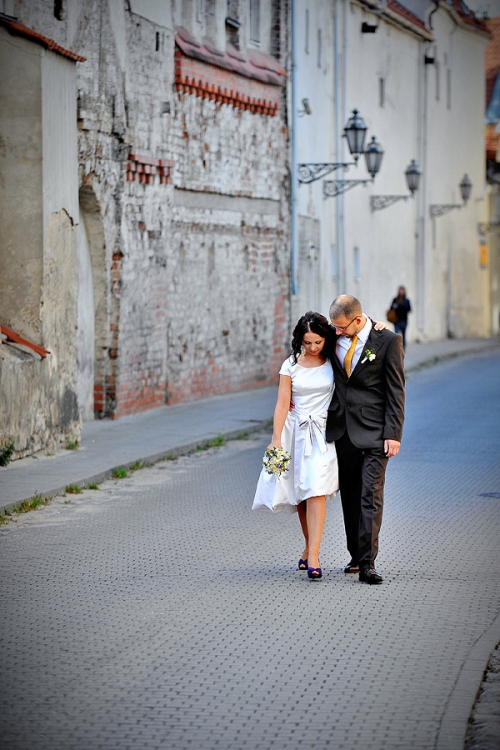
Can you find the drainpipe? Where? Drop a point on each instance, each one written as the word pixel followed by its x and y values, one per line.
pixel 422 198
pixel 293 170
pixel 346 7
pixel 336 104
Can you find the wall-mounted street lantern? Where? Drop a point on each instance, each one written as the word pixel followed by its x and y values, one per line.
pixel 373 156
pixel 412 174
pixel 439 209
pixel 312 172
pixel 486 227
pixel 355 133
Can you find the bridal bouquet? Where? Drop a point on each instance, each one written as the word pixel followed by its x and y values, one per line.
pixel 276 461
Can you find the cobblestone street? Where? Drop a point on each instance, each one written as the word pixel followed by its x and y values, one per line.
pixel 160 612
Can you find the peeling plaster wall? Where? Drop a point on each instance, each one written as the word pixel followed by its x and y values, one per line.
pixel 38 251
pixel 38 401
pixel 21 196
pixel 86 326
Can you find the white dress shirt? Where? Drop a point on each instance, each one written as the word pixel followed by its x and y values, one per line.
pixel 344 342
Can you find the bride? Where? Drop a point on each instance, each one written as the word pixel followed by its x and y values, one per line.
pixel 304 395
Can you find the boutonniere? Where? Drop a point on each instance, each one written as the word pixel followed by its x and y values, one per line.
pixel 369 355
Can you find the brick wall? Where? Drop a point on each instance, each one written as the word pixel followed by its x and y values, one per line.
pixel 194 300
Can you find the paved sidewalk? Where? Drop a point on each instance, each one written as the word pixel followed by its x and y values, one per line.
pixel 108 444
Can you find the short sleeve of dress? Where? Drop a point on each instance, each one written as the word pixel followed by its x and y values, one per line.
pixel 287 367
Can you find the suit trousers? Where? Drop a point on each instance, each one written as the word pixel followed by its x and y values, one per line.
pixel 361 480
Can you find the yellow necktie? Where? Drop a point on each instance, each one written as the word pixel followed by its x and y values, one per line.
pixel 350 354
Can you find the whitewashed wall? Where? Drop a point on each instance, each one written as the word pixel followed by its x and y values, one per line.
pixel 315 143
pixel 370 253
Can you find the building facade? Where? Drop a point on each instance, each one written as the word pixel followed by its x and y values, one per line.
pixel 182 215
pixel 38 242
pixel 415 73
pixel 162 253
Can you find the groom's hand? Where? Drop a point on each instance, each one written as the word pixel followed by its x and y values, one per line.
pixel 391 448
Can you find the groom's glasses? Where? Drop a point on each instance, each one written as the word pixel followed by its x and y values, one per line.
pixel 342 329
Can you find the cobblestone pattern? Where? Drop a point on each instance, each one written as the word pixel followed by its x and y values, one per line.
pixel 161 612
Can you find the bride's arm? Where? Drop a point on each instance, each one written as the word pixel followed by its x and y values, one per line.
pixel 281 410
pixel 379 326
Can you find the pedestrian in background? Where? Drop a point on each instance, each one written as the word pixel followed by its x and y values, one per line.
pixel 401 306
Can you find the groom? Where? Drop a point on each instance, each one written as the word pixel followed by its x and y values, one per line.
pixel 365 419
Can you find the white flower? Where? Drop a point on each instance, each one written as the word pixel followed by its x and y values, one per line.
pixel 370 356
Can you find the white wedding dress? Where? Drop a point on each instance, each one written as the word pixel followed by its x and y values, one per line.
pixel 313 469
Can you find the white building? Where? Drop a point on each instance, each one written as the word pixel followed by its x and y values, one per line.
pixel 416 75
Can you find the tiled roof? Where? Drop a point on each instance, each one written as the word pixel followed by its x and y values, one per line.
pixel 491 142
pixel 467 15
pixel 457 6
pixel 259 67
pixel 405 13
pixel 19 29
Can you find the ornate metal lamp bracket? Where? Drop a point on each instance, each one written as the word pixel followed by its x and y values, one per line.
pixel 378 202
pixel 311 172
pixel 485 228
pixel 439 209
pixel 332 188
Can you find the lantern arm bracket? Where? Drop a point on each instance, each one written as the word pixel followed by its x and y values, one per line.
pixel 486 227
pixel 332 188
pixel 439 209
pixel 378 202
pixel 310 172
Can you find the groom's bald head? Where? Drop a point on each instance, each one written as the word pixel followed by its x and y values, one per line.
pixel 345 306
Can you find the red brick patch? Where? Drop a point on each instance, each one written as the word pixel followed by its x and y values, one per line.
pixel 145 169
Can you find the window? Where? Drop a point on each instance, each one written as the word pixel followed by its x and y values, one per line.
pixel 381 92
pixel 157 44
pixel 320 53
pixel 233 23
pixel 58 10
pixel 306 47
pixel 255 21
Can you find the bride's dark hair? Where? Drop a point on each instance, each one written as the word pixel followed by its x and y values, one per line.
pixel 317 323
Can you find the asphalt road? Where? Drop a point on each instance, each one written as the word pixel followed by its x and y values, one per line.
pixel 160 612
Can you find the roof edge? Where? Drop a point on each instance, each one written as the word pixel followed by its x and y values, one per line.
pixel 395 13
pixel 464 21
pixel 16 28
pixel 257 65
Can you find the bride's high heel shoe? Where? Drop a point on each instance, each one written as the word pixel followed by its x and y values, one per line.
pixel 314 574
pixel 302 564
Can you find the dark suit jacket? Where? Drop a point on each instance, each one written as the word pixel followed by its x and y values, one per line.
pixel 370 404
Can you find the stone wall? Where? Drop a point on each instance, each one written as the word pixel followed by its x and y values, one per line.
pixel 184 201
pixel 38 396
pixel 38 258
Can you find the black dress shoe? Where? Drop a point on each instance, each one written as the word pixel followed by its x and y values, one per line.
pixel 370 576
pixel 351 567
